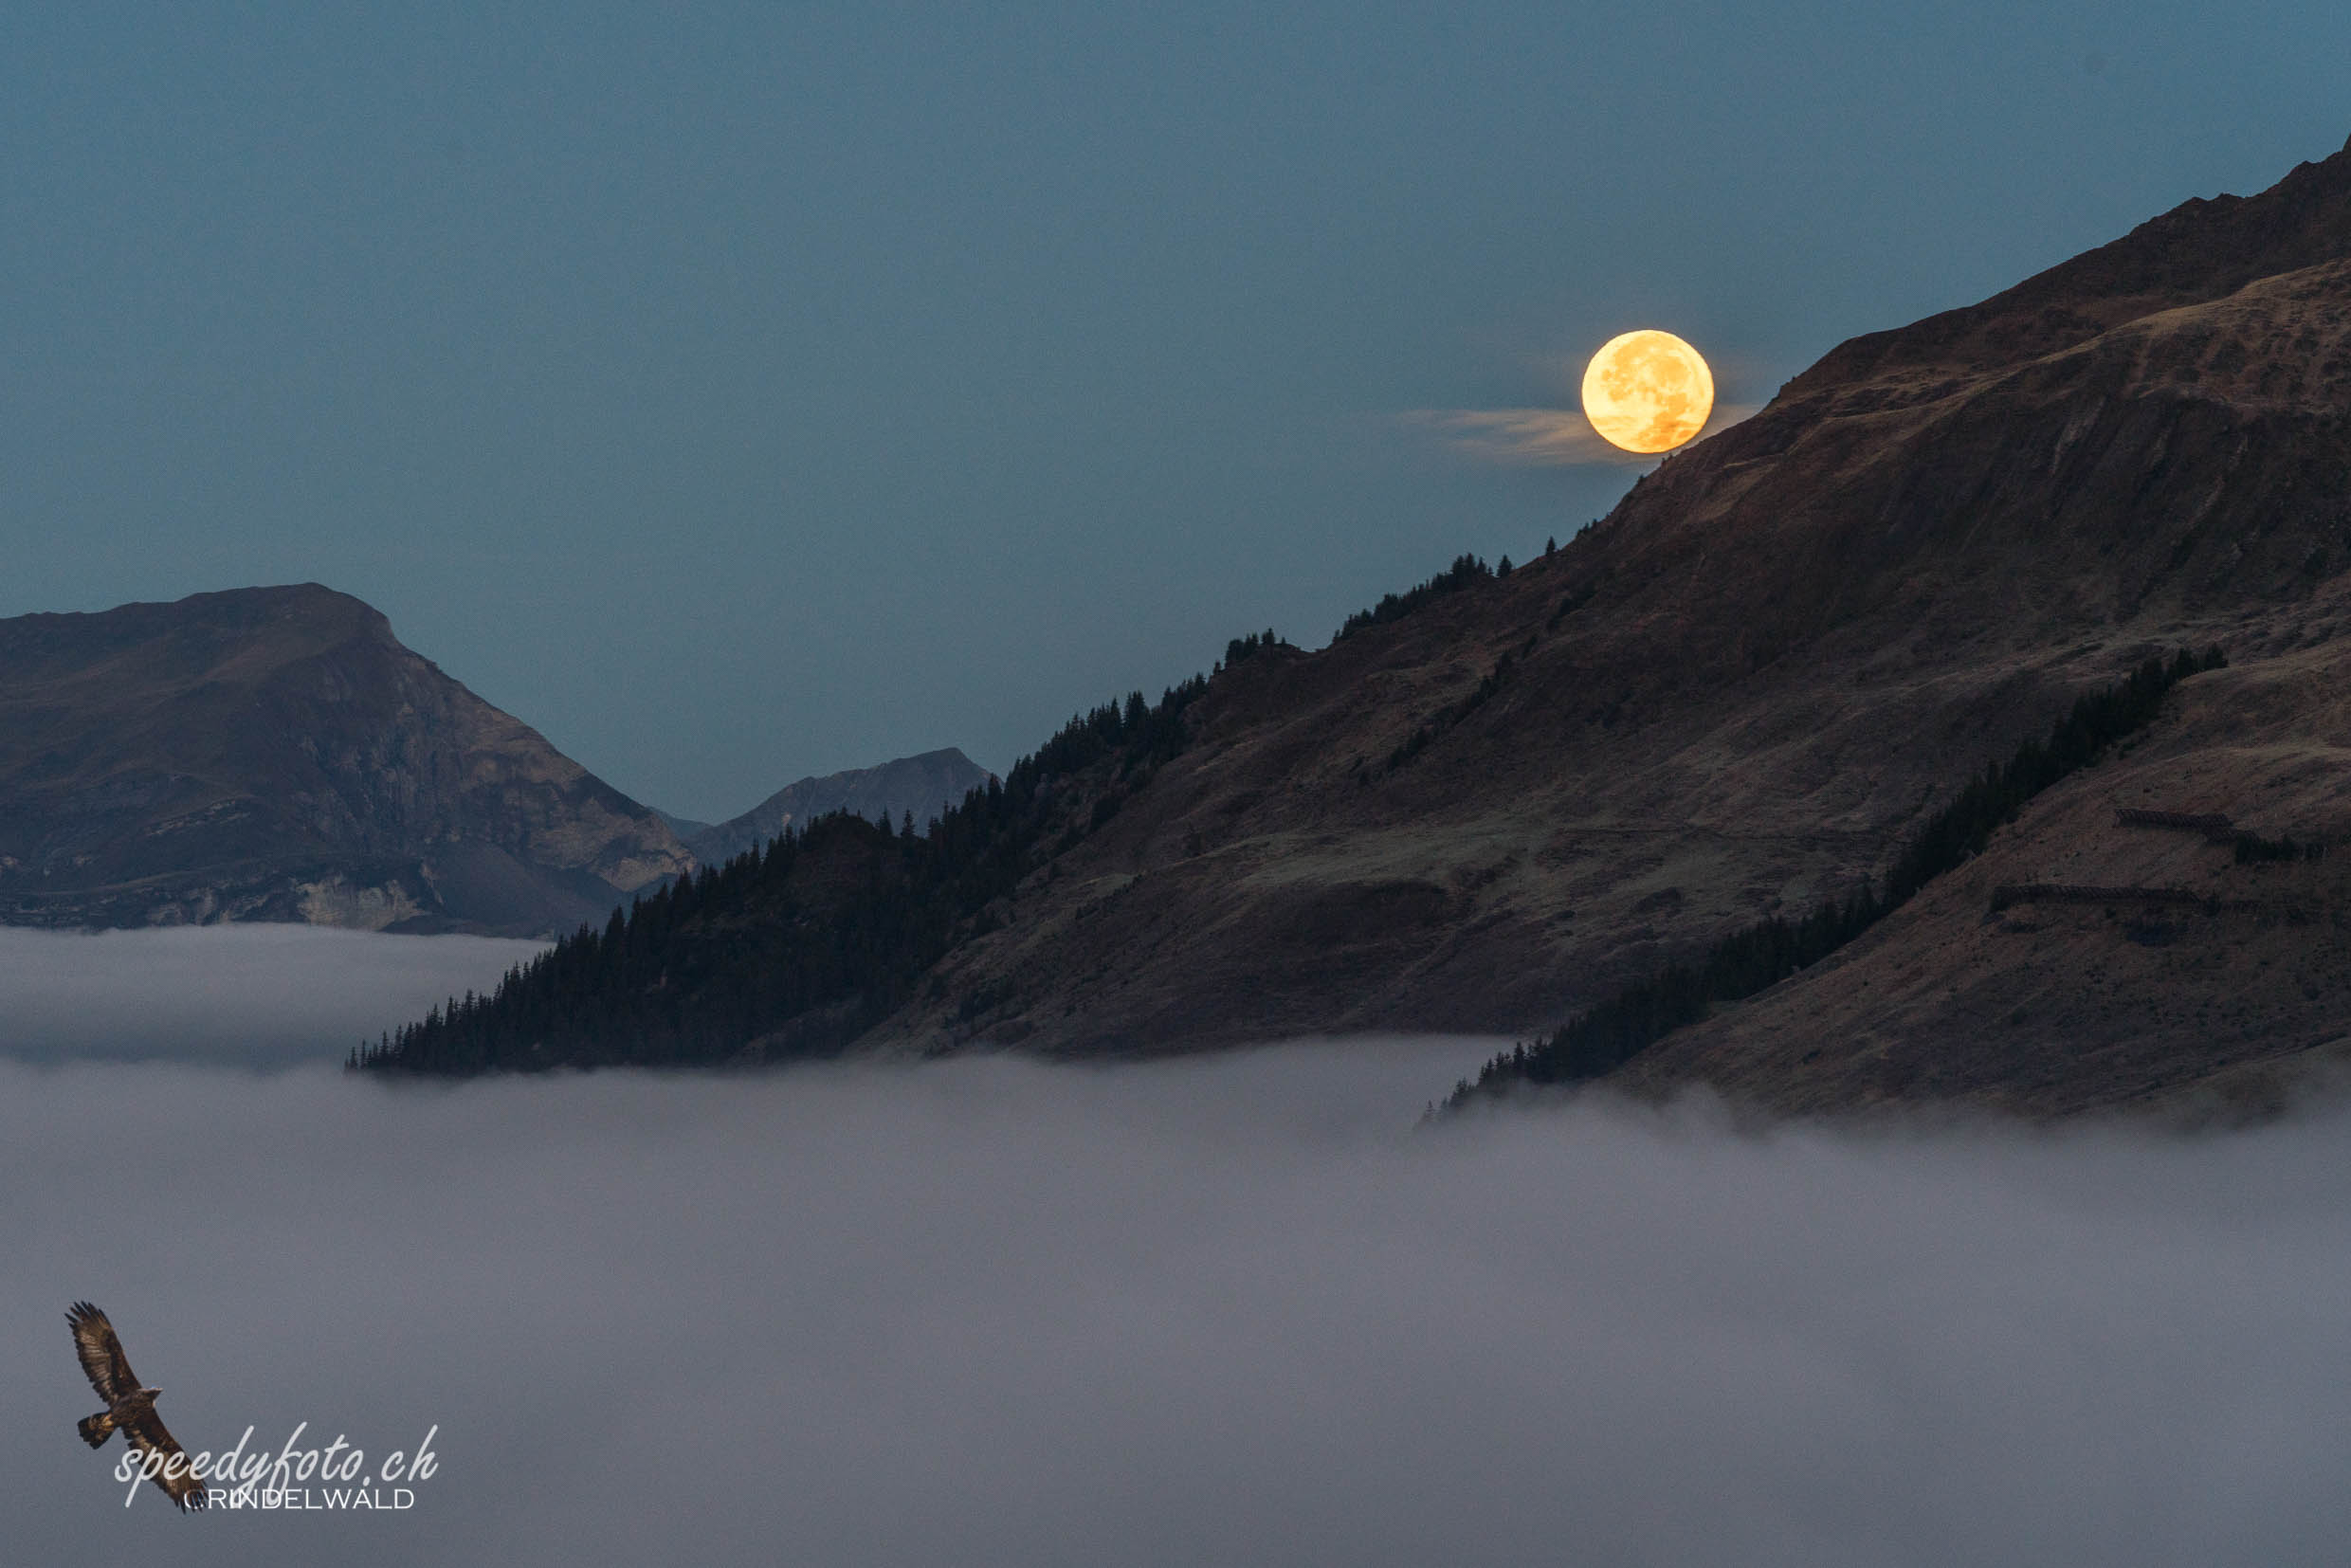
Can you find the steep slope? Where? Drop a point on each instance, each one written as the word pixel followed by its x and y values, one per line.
pixel 1734 698
pixel 1735 694
pixel 923 786
pixel 276 754
pixel 2061 971
pixel 796 947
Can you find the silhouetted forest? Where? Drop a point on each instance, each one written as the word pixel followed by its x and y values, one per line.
pixel 1465 571
pixel 2253 849
pixel 1750 960
pixel 796 948
pixel 1248 646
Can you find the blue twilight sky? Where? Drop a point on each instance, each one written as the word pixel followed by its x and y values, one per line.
pixel 742 391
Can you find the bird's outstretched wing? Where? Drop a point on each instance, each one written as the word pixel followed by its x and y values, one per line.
pixel 148 1436
pixel 102 1361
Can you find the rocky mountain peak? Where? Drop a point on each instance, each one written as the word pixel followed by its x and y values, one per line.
pixel 2203 249
pixel 276 753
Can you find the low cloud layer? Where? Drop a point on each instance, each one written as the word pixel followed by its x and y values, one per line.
pixel 258 995
pixel 1233 1310
pixel 1542 437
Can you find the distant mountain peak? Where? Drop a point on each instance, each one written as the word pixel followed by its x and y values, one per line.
pixel 276 753
pixel 924 784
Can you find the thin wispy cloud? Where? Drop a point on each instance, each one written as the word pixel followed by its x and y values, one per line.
pixel 1544 438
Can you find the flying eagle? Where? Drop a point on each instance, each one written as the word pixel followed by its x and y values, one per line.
pixel 130 1407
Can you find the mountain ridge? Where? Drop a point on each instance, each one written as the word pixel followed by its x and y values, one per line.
pixel 924 784
pixel 1898 545
pixel 277 754
pixel 1784 648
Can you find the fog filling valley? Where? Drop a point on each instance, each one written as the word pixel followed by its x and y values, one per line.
pixel 1224 1310
pixel 258 995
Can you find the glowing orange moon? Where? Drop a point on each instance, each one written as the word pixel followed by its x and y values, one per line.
pixel 1647 391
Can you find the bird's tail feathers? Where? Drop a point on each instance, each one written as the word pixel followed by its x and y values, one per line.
pixel 95 1430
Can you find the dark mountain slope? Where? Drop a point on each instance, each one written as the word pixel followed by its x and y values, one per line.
pixel 797 947
pixel 276 754
pixel 1735 694
pixel 1733 698
pixel 2121 993
pixel 2199 252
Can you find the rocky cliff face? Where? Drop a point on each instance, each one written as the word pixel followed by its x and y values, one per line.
pixel 276 754
pixel 1735 694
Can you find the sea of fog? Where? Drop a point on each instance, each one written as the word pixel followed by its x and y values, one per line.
pixel 1225 1311
pixel 244 994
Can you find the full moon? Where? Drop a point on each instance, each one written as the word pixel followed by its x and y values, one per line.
pixel 1647 391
